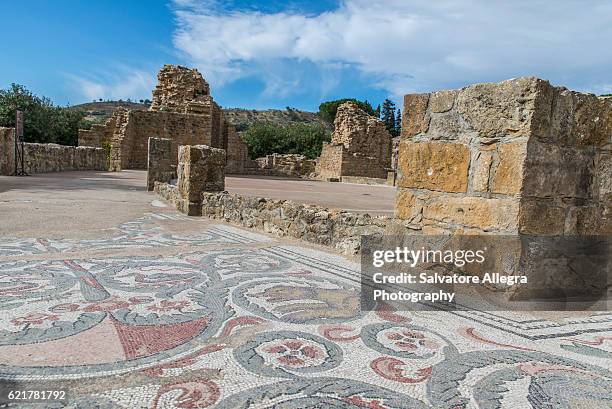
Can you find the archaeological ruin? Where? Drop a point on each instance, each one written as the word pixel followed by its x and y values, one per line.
pixel 182 110
pixel 519 156
pixel 360 146
pixel 48 157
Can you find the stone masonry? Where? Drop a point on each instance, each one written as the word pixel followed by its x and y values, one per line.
pixel 200 169
pixel 182 110
pixel 338 229
pixel 160 166
pixel 49 157
pixel 7 151
pixel 360 146
pixel 180 89
pixel 290 165
pixel 515 157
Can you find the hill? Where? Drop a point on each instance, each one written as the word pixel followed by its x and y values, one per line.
pixel 240 118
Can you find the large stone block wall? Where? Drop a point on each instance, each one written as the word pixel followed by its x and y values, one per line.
pixel 49 157
pixel 360 146
pixel 7 151
pixel 519 156
pixel 161 167
pixel 130 140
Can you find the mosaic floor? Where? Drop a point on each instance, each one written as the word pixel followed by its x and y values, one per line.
pixel 231 319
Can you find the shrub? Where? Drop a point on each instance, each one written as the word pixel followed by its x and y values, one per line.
pixel 42 121
pixel 265 138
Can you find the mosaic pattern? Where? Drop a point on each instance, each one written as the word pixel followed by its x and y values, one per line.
pixel 260 325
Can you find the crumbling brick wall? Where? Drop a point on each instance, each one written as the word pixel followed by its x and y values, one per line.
pixel 515 157
pixel 360 146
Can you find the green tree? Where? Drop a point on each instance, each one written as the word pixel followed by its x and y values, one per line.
pixel 265 138
pixel 42 121
pixel 388 116
pixel 398 122
pixel 327 110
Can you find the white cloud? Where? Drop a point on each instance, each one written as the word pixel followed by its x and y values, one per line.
pixel 404 45
pixel 123 83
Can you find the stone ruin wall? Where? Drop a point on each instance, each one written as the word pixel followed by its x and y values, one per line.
pixel 360 146
pixel 287 165
pixel 98 135
pixel 519 156
pixel 182 110
pixel 129 148
pixel 180 89
pixel 49 157
pixel 160 166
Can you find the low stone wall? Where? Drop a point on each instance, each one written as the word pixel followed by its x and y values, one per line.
pixel 334 228
pixel 49 157
pixel 289 165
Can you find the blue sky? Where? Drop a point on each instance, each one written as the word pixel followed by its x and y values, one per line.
pixel 264 54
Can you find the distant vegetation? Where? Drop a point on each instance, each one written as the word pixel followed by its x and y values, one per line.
pixel 387 113
pixel 42 121
pixel 327 110
pixel 265 138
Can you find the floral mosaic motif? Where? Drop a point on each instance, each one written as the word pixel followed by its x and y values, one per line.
pixel 199 393
pixel 236 263
pixel 553 381
pixel 288 354
pixel 137 234
pixel 296 353
pixel 406 341
pixel 300 300
pixel 315 393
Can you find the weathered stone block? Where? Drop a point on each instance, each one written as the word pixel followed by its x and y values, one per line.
pixel 500 109
pixel 489 215
pixel 604 171
pixel 406 205
pixel 201 169
pixel 481 171
pixel 442 101
pixel 539 218
pixel 434 165
pixel 508 176
pixel 556 171
pixel 416 117
pixel 160 167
